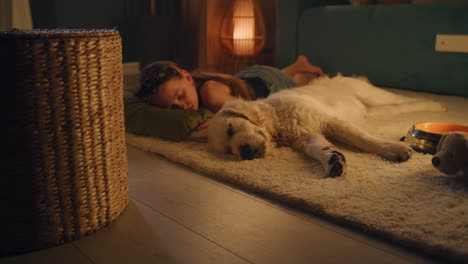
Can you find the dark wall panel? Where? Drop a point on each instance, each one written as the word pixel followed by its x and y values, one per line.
pixel 125 15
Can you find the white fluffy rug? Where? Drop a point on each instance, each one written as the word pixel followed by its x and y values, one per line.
pixel 410 203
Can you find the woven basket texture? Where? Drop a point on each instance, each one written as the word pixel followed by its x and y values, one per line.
pixel 64 171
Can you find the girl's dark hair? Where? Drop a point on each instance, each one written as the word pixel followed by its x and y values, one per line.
pixel 159 72
pixel 155 74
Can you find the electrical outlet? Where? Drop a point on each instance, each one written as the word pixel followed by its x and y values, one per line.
pixel 451 43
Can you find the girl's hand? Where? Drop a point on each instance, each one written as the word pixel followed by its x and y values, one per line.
pixel 204 125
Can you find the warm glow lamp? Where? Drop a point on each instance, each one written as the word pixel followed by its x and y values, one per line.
pixel 243 30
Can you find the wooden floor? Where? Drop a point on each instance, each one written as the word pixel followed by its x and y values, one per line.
pixel 177 215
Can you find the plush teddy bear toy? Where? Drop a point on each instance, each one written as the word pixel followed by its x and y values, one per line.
pixel 452 153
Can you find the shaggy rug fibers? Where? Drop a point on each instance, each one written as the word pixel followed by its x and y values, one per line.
pixel 410 203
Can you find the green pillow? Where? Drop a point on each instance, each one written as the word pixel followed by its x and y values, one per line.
pixel 171 124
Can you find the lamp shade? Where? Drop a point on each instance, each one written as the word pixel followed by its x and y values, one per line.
pixel 243 30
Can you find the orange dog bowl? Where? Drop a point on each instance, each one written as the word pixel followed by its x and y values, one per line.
pixel 424 137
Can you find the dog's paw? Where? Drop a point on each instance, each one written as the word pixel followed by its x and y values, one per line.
pixel 395 151
pixel 336 164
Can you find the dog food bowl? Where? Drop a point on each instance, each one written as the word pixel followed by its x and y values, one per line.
pixel 424 137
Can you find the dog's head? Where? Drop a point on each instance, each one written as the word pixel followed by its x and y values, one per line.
pixel 239 129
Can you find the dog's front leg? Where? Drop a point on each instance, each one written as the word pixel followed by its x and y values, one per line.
pixel 351 135
pixel 318 148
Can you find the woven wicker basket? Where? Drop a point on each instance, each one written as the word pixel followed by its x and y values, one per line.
pixel 64 171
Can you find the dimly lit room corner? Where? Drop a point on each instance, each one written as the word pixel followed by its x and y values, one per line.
pixel 106 164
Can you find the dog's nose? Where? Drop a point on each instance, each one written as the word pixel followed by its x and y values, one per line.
pixel 435 161
pixel 247 152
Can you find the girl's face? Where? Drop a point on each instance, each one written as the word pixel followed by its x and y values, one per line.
pixel 178 93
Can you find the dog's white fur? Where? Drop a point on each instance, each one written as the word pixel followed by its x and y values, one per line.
pixel 306 117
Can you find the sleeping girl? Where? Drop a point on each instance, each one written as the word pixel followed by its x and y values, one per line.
pixel 166 85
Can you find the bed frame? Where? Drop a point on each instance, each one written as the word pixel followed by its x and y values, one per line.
pixel 392 45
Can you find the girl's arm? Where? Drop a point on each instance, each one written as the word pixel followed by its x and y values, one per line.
pixel 214 95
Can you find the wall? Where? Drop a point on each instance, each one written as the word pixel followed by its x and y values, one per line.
pixel 150 29
pixel 125 15
pixel 392 45
pixel 287 15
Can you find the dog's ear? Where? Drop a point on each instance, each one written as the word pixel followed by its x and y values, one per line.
pixel 240 108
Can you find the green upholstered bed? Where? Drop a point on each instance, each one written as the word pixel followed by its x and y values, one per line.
pixel 392 45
